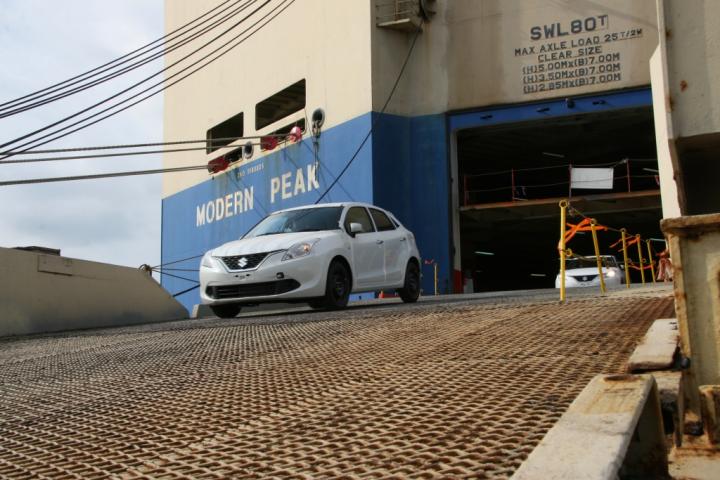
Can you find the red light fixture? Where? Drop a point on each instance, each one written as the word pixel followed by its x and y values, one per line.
pixel 268 143
pixel 218 164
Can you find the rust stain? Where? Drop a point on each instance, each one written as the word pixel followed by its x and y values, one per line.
pixel 683 85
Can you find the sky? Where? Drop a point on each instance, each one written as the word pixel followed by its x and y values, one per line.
pixel 43 42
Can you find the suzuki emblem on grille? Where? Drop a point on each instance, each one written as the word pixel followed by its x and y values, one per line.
pixel 242 262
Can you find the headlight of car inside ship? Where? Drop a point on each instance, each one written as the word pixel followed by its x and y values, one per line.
pixel 300 250
pixel 610 273
pixel 208 261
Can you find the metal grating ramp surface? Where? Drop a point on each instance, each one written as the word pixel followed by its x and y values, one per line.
pixel 440 391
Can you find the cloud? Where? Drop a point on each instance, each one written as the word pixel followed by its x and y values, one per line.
pixel 115 220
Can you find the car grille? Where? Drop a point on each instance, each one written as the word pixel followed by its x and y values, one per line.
pixel 252 289
pixel 584 278
pixel 244 262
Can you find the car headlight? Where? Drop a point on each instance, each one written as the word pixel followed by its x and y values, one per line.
pixel 300 249
pixel 610 273
pixel 208 261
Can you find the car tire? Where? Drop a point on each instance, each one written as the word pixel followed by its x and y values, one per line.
pixel 229 310
pixel 410 291
pixel 337 287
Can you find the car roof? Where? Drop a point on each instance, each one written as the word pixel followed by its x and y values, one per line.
pixel 335 204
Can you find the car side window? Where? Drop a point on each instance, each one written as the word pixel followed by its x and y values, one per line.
pixel 382 222
pixel 358 215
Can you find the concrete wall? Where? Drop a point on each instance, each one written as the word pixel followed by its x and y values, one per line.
pixel 47 293
pixel 325 42
pixel 662 111
pixel 693 63
pixel 689 46
pixel 476 53
pixel 472 53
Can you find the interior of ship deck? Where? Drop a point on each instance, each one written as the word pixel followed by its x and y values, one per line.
pixel 512 177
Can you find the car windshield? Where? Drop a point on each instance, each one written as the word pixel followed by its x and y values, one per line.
pixel 303 220
pixel 589 262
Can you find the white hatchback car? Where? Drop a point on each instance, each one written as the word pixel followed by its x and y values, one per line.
pixel 583 272
pixel 317 254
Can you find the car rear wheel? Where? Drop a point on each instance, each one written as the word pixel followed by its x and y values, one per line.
pixel 337 288
pixel 410 292
pixel 229 310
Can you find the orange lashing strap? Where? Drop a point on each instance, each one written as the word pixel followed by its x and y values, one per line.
pixel 629 241
pixel 583 226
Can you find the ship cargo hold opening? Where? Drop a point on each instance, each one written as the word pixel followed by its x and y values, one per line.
pixel 513 175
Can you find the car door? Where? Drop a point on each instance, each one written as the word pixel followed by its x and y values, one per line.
pixel 367 250
pixel 396 247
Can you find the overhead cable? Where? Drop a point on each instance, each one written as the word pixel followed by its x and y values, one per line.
pixel 121 154
pixel 377 118
pixel 126 90
pixel 56 137
pixel 182 292
pixel 142 145
pixel 48 98
pixel 96 176
pixel 158 43
pixel 174 276
pixel 177 261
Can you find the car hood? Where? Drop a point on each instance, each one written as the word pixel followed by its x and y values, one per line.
pixel 267 243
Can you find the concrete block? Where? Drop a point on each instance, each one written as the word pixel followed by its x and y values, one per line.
pixel 672 404
pixel 657 349
pixel 42 293
pixel 612 429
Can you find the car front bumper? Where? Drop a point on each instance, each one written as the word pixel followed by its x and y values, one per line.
pixel 272 280
pixel 571 282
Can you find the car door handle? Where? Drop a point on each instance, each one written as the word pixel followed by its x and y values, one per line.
pixel 403 239
pixel 379 242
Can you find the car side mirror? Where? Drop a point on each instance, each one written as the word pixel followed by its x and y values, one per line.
pixel 355 228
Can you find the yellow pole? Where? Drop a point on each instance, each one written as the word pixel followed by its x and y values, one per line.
pixel 625 258
pixel 435 275
pixel 650 259
pixel 642 270
pixel 597 254
pixel 563 207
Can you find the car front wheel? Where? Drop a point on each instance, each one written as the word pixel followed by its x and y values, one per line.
pixel 337 287
pixel 229 310
pixel 410 292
